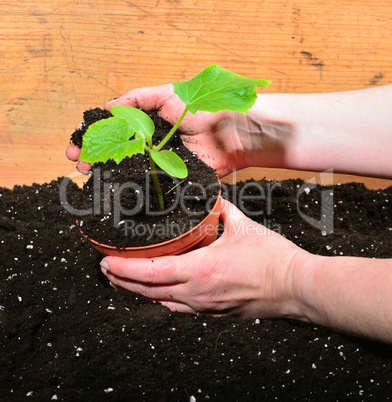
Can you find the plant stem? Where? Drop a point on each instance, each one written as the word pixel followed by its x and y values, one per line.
pixel 156 182
pixel 158 148
pixel 172 131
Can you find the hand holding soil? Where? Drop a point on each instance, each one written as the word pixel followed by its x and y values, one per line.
pixel 225 140
pixel 216 138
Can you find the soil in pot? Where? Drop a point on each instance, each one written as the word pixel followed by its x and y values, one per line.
pixel 122 200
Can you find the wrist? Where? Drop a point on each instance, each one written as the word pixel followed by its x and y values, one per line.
pixel 302 271
pixel 269 134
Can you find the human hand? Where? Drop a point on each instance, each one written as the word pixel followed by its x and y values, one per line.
pixel 226 141
pixel 214 137
pixel 249 271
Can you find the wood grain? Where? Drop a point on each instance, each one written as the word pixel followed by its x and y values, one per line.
pixel 59 58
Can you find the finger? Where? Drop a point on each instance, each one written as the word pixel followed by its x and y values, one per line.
pixel 230 214
pixel 79 125
pixel 148 98
pixel 172 293
pixel 73 153
pixel 184 308
pixel 83 167
pixel 233 221
pixel 178 307
pixel 152 271
pixel 237 224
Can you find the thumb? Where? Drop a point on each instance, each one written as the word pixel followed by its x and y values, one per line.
pixel 148 98
pixel 230 214
pixel 233 221
pixel 156 271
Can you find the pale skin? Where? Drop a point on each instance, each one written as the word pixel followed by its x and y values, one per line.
pixel 255 272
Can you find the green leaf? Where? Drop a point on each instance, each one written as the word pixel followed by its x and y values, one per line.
pixel 137 120
pixel 109 139
pixel 170 162
pixel 216 89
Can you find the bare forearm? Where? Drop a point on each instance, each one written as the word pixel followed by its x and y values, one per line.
pixel 349 132
pixel 347 293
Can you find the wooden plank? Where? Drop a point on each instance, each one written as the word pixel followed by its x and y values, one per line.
pixel 60 57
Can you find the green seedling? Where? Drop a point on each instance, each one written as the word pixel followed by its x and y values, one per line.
pixel 131 130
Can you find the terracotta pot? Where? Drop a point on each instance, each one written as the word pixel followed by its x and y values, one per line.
pixel 201 235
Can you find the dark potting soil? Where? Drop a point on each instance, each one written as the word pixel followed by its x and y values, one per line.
pixel 119 206
pixel 89 117
pixel 67 335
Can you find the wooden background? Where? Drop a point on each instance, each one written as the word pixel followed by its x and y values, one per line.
pixel 61 57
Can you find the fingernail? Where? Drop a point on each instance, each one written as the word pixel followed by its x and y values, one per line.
pixel 110 102
pixel 104 266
